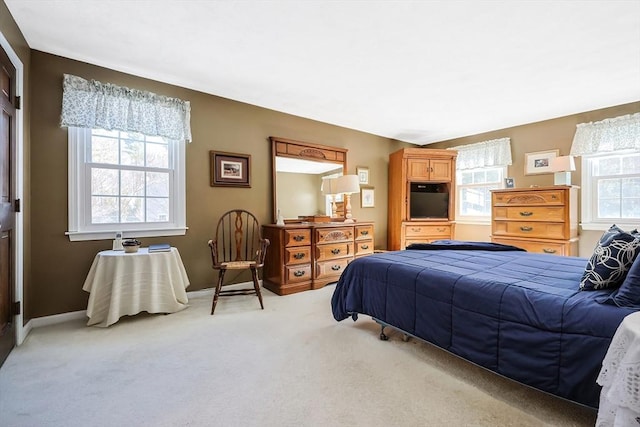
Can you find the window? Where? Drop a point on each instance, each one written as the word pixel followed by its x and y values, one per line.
pixel 124 181
pixel 474 192
pixel 611 189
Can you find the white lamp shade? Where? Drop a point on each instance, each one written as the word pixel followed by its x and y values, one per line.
pixel 348 184
pixel 563 164
pixel 329 186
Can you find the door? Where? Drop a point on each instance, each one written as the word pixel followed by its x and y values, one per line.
pixel 7 213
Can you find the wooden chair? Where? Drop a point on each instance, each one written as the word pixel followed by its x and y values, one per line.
pixel 237 245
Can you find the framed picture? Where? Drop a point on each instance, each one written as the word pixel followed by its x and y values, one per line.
pixel 230 170
pixel 363 174
pixel 539 162
pixel 366 197
pixel 509 183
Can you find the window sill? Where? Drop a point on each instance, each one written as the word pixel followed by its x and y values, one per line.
pixel 78 236
pixel 473 221
pixel 596 226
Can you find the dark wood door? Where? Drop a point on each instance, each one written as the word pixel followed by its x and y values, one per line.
pixel 7 212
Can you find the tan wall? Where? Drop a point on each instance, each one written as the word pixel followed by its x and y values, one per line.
pixel 541 136
pixel 14 36
pixel 60 266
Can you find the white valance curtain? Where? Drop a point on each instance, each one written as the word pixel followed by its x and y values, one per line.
pixel 92 104
pixel 618 133
pixel 495 152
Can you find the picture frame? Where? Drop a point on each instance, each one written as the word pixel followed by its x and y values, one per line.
pixel 509 183
pixel 363 174
pixel 539 162
pixel 230 169
pixel 367 197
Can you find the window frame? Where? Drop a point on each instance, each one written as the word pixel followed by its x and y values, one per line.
pixel 474 219
pixel 589 206
pixel 79 188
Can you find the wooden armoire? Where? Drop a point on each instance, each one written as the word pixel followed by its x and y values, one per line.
pixel 421 196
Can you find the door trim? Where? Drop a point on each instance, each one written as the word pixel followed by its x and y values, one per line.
pixel 21 332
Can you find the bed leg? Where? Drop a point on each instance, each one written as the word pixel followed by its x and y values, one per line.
pixel 383 337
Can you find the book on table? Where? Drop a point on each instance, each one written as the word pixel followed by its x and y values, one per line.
pixel 160 247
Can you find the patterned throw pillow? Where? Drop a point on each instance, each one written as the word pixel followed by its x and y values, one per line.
pixel 611 260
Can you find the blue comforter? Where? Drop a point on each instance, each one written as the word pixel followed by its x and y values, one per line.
pixel 517 313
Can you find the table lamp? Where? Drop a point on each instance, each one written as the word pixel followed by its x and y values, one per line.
pixel 347 185
pixel 330 188
pixel 562 166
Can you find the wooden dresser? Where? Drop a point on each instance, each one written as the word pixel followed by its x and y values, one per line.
pixel 542 219
pixel 307 255
pixel 425 167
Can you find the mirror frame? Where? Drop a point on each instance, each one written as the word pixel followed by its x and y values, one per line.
pixel 283 147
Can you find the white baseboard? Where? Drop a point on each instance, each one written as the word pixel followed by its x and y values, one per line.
pixel 54 319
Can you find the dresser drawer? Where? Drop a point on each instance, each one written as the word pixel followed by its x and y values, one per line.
pixel 298 273
pixel 552 248
pixel 545 230
pixel 328 235
pixel 364 247
pixel 334 250
pixel 299 237
pixel 436 231
pixel 364 232
pixel 546 197
pixel 331 268
pixel 530 213
pixel 297 255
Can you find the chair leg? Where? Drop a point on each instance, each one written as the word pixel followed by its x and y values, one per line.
pixel 256 285
pixel 218 287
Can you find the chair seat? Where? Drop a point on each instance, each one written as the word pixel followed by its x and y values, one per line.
pixel 237 265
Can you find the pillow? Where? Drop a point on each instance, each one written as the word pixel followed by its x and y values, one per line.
pixel 628 295
pixel 611 260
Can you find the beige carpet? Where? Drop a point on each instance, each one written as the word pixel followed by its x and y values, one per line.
pixel 289 365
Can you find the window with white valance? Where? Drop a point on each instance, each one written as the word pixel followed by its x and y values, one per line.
pixel 610 179
pixel 127 170
pixel 481 167
pixel 96 105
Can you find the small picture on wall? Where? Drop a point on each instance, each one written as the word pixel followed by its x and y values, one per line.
pixel 366 197
pixel 230 170
pixel 509 183
pixel 363 175
pixel 539 162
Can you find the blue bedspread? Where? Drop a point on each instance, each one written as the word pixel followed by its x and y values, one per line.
pixel 516 313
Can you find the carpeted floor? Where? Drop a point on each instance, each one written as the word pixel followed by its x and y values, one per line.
pixel 289 365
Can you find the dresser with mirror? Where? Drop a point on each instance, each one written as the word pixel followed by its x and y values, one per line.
pixel 311 246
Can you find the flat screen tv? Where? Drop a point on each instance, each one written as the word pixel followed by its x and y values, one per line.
pixel 428 201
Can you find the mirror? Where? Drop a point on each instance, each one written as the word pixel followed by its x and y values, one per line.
pixel 298 169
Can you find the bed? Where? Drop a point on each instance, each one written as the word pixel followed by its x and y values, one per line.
pixel 516 313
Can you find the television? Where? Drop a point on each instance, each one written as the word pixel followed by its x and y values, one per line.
pixel 430 201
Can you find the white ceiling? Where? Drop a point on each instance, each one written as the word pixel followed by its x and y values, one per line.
pixel 416 71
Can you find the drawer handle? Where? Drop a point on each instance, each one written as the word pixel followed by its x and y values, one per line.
pixel 553 196
pixel 364 232
pixel 416 230
pixel 526 228
pixel 526 213
pixel 299 255
pixel 441 230
pixel 335 251
pixel 335 268
pixel 298 238
pixel 365 246
pixel 298 273
pixel 548 251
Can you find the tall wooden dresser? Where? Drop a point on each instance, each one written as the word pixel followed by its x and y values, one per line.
pixel 542 219
pixel 434 170
pixel 307 255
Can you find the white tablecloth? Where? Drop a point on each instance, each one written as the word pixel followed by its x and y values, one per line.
pixel 620 377
pixel 126 284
